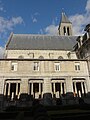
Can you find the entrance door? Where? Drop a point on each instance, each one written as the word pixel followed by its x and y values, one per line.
pixel 36 90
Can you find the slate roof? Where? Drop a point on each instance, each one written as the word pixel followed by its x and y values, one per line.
pixel 40 42
pixel 64 18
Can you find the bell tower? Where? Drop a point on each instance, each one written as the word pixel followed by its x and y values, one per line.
pixel 65 26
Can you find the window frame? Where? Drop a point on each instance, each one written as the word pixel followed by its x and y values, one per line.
pixel 77 66
pixel 14 66
pixel 36 66
pixel 57 66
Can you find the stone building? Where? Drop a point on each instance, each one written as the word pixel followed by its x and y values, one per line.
pixel 39 64
pixel 82 47
pixel 65 26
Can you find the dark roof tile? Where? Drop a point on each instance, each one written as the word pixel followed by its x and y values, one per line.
pixel 41 42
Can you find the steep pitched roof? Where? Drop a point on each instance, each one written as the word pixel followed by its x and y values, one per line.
pixel 40 42
pixel 64 18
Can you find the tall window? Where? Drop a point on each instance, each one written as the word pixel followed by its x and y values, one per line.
pixel 68 31
pixel 77 66
pixel 64 29
pixel 14 66
pixel 36 66
pixel 57 66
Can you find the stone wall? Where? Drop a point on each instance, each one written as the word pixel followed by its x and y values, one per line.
pixel 46 72
pixel 47 54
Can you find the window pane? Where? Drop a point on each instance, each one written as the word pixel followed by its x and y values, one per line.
pixel 77 66
pixel 57 66
pixel 36 66
pixel 14 66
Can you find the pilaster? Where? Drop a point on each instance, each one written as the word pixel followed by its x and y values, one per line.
pixel 47 85
pixel 24 85
pixel 69 85
pixel 1 85
pixel 88 84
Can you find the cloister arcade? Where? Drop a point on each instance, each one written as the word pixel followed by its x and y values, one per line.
pixel 12 88
pixel 58 87
pixel 36 88
pixel 79 87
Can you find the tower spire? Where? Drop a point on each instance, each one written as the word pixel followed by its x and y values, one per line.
pixel 64 18
pixel 65 26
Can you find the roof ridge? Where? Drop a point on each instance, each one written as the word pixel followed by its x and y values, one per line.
pixel 43 35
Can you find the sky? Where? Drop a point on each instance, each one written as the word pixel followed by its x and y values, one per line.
pixel 40 17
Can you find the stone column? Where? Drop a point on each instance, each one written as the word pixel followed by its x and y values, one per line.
pixel 5 88
pixel 39 88
pixel 40 94
pixel 82 87
pixel 54 88
pixel 29 89
pixel 64 88
pixel 16 88
pixel 75 87
pixel 61 88
pixel 12 95
pixel 79 92
pixel 9 89
pixel 85 87
pixel 32 88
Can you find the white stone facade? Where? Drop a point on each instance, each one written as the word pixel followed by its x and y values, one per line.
pixel 39 64
pixel 36 54
pixel 46 79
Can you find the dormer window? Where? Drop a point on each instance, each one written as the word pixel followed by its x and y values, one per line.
pixel 60 58
pixel 41 57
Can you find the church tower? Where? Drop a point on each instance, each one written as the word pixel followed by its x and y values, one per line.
pixel 65 26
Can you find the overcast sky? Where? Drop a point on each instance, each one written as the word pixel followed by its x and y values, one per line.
pixel 40 17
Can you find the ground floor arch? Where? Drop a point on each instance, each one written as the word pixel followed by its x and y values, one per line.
pixel 12 89
pixel 36 88
pixel 58 87
pixel 79 87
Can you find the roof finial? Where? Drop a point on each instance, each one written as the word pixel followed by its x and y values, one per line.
pixel 62 10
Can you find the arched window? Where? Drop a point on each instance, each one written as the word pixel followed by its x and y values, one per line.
pixel 68 31
pixel 41 57
pixel 60 57
pixel 21 57
pixel 64 29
